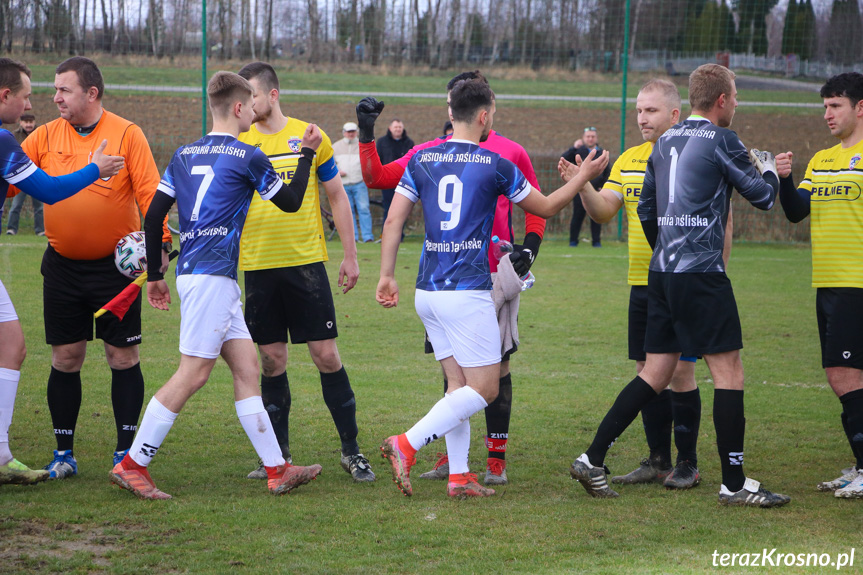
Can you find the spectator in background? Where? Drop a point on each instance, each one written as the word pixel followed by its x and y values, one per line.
pixel 347 155
pixel 582 147
pixel 391 147
pixel 447 128
pixel 26 125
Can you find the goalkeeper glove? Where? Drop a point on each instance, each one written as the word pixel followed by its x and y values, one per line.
pixel 763 162
pixel 368 111
pixel 524 255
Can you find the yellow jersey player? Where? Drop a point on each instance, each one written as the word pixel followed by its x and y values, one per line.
pixel 287 288
pixel 831 193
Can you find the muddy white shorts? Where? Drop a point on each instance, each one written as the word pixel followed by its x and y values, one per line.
pixel 462 324
pixel 209 314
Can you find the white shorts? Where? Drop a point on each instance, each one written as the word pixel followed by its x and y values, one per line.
pixel 209 314
pixel 462 324
pixel 7 310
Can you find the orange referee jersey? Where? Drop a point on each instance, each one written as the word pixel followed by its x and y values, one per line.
pixel 88 225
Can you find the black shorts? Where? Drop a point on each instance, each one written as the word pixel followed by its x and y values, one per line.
pixel 298 300
pixel 73 290
pixel 695 314
pixel 638 325
pixel 840 326
pixel 637 322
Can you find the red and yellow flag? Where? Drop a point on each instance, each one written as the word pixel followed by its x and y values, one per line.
pixel 121 303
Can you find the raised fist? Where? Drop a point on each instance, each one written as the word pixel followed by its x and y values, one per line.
pixel 368 110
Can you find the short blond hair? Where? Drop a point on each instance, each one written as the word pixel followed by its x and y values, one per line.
pixel 707 83
pixel 225 89
pixel 666 88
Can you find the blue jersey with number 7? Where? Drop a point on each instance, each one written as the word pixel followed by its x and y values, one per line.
pixel 213 181
pixel 459 183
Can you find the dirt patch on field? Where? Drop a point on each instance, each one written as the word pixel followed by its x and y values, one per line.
pixel 545 133
pixel 31 546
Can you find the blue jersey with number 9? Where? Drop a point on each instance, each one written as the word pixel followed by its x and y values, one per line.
pixel 459 183
pixel 213 181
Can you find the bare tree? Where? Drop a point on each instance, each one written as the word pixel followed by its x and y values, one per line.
pixel 38 43
pixel 314 30
pixel 107 29
pixel 6 24
pixel 431 27
pixel 122 35
pixel 268 32
pixel 226 28
pixel 468 30
pixel 245 25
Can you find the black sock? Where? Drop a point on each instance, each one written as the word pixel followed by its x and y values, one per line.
pixel 852 402
pixel 497 419
pixel 127 397
pixel 64 402
pixel 624 411
pixel 339 398
pixel 656 417
pixel 276 395
pixel 686 407
pixel 730 429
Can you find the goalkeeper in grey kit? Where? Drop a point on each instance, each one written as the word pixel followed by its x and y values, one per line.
pixel 683 208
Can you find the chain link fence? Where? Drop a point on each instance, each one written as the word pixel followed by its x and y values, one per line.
pixel 779 41
pixel 788 37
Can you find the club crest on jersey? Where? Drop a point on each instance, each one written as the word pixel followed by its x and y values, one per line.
pixel 855 159
pixel 295 143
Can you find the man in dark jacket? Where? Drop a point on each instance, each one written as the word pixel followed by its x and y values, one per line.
pixel 582 147
pixel 390 148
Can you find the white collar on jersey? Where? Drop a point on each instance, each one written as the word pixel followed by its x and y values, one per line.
pixel 697 117
pixel 220 134
pixel 462 141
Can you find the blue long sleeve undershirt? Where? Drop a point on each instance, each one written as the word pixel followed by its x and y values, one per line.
pixel 52 189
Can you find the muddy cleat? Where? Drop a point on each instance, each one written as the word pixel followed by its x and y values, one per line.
pixel 440 469
pixel 651 470
pixel 359 468
pixel 401 464
pixel 854 490
pixel 261 471
pixel 138 481
pixel 593 479
pixel 495 472
pixel 848 475
pixel 684 476
pixel 284 478
pixel 16 473
pixel 64 465
pixel 119 455
pixel 464 485
pixel 752 495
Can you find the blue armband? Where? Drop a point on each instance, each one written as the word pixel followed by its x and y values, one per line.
pixel 328 170
pixel 51 189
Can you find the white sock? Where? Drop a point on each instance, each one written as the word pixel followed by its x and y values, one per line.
pixel 458 446
pixel 8 389
pixel 155 425
pixel 445 415
pixel 256 423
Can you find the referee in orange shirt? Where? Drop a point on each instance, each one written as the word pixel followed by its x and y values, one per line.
pixel 78 265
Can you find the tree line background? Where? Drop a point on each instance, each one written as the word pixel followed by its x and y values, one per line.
pixel 569 34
